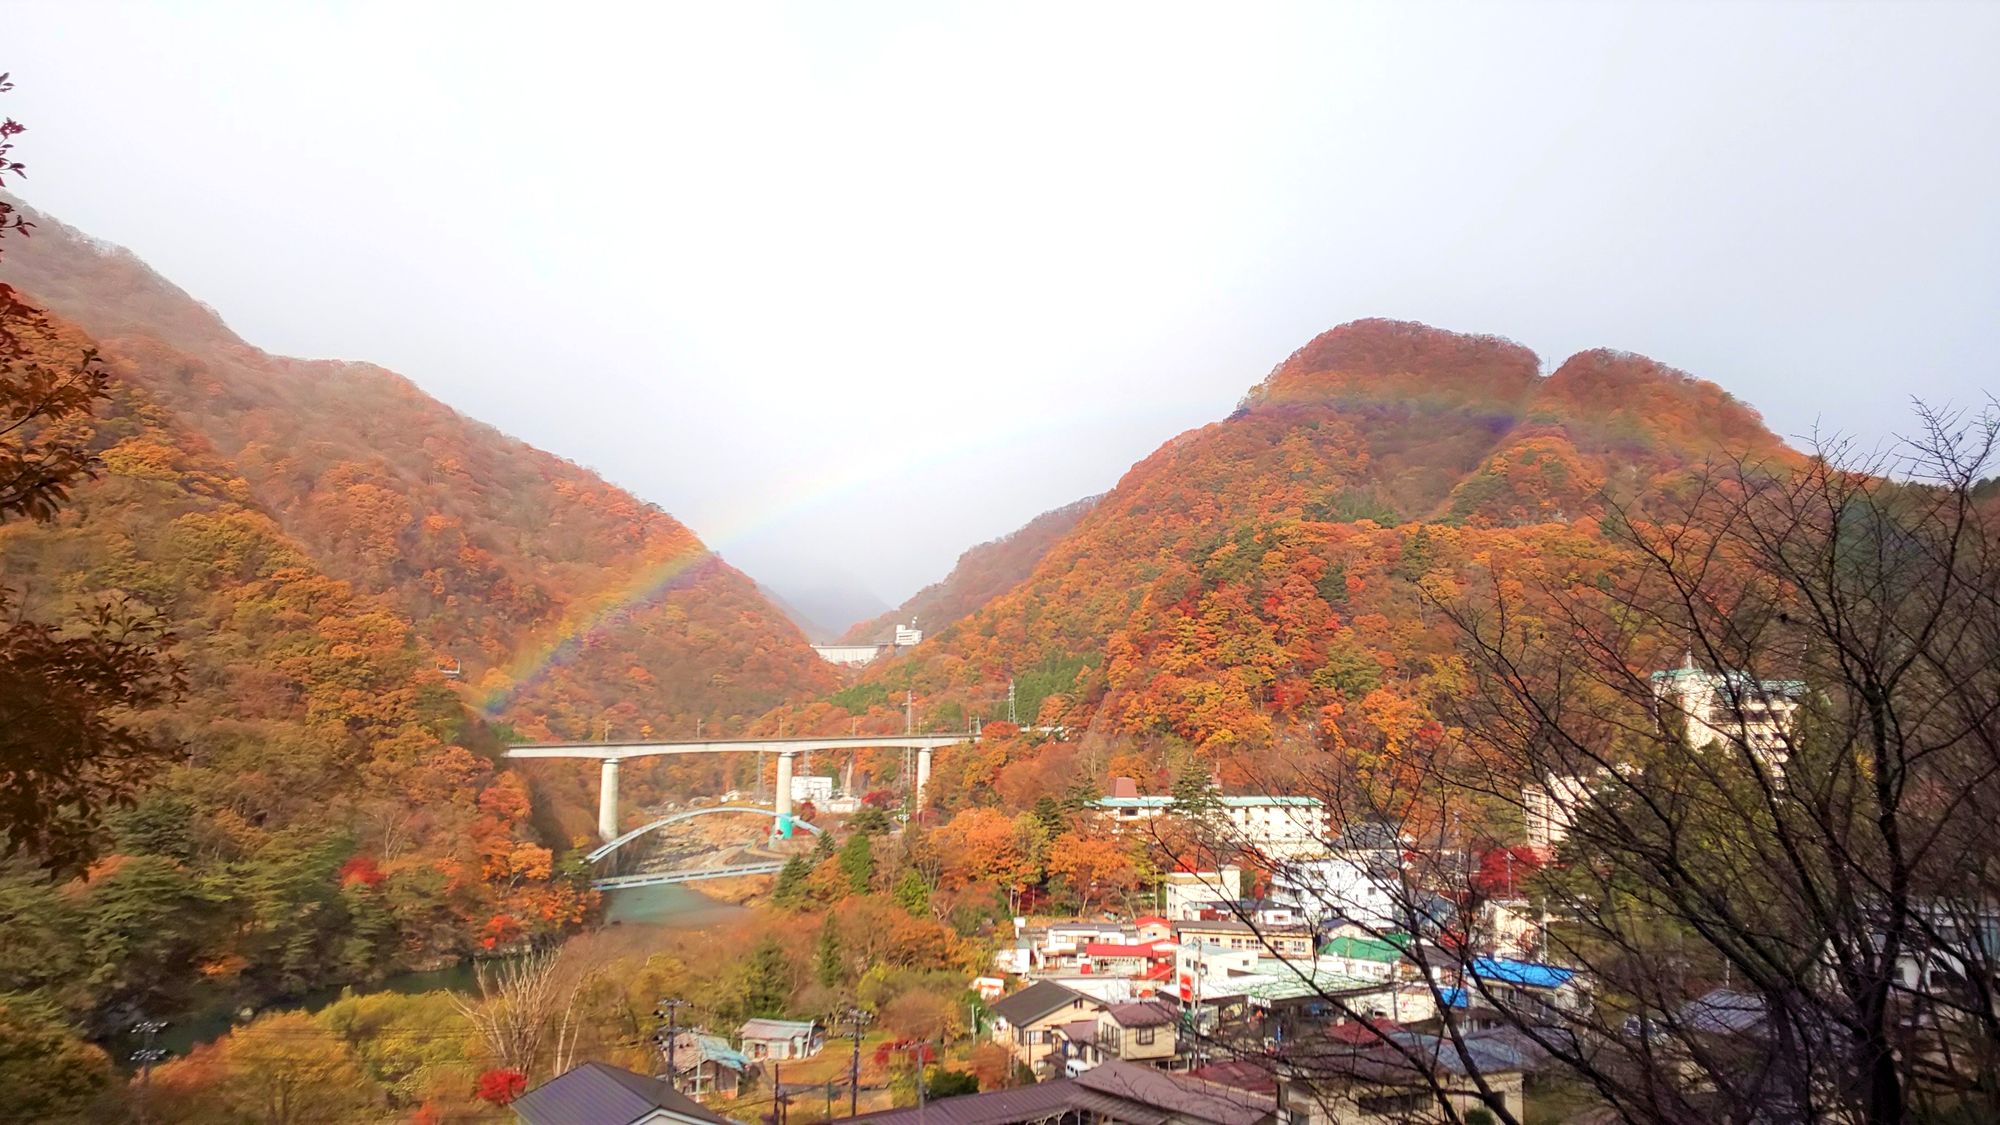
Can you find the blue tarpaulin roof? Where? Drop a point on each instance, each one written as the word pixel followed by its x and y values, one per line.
pixel 1527 974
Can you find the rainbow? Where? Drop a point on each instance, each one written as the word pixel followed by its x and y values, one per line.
pixel 554 644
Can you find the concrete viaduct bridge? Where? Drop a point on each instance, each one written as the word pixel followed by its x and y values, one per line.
pixel 609 754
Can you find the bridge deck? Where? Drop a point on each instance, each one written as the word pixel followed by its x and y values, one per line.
pixel 614 751
pixel 658 878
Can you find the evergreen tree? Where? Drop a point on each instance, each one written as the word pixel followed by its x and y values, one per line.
pixel 913 894
pixel 1049 816
pixel 826 959
pixel 790 890
pixel 1083 792
pixel 822 847
pixel 767 980
pixel 857 862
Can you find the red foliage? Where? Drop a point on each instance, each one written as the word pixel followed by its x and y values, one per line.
pixel 361 869
pixel 1501 870
pixel 500 1086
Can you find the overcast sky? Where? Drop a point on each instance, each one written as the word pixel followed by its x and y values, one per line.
pixel 850 288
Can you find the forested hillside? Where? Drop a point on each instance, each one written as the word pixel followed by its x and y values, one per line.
pixel 321 817
pixel 1260 585
pixel 981 574
pixel 567 602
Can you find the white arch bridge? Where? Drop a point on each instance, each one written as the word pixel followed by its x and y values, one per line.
pixel 609 754
pixel 655 878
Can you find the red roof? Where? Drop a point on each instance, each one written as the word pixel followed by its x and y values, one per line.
pixel 1150 920
pixel 1113 949
pixel 1357 1031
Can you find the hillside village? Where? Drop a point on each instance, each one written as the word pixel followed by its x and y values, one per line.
pixel 1316 981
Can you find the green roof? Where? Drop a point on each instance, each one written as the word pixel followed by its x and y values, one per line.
pixel 1388 949
pixel 1285 980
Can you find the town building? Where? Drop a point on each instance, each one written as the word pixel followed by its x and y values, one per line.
pixel 1548 809
pixel 1376 1083
pixel 597 1094
pixel 1229 933
pixel 1730 708
pixel 1361 881
pixel 780 1039
pixel 706 1064
pixel 1276 827
pixel 1025 1023
pixel 1114 1091
pixel 1185 893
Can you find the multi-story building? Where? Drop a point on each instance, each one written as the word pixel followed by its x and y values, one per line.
pixel 1275 826
pixel 1729 708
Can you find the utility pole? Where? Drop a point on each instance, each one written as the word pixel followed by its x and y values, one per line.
pixel 669 1010
pixel 697 730
pixel 909 712
pixel 855 1017
pixel 146 1056
pixel 1011 717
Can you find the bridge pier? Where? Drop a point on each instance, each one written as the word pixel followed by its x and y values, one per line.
pixel 784 795
pixel 607 801
pixel 923 774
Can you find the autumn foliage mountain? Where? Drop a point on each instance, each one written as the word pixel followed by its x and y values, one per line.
pixel 565 603
pixel 1260 584
pixel 326 544
pixel 982 573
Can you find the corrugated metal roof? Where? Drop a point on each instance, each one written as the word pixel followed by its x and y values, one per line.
pixel 1181 1096
pixel 773 1029
pixel 1038 1000
pixel 597 1094
pixel 1026 1103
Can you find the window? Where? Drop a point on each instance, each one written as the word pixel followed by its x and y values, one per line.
pixel 1385 1104
pixel 1145 1036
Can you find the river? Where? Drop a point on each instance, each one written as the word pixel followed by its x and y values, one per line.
pixel 671 906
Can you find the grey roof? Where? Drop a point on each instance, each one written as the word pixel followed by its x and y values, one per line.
pixel 1722 1011
pixel 1142 1013
pixel 1026 1103
pixel 1188 1099
pixel 1038 1000
pixel 1111 1091
pixel 596 1094
pixel 774 1029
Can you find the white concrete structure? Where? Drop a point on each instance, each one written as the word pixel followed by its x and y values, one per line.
pixel 1360 885
pixel 1548 810
pixel 1730 708
pixel 909 636
pixel 611 753
pixel 1279 827
pixel 818 790
pixel 852 656
pixel 1186 891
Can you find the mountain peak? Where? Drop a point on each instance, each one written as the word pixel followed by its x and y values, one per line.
pixel 1376 358
pixel 1623 400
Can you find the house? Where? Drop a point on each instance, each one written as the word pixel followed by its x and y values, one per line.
pixel 1185 891
pixel 1118 959
pixel 1280 941
pixel 1141 1032
pixel 1026 1022
pixel 780 1039
pixel 1393 1084
pixel 1525 989
pixel 1152 927
pixel 706 1064
pixel 596 1094
pixel 1256 911
pixel 1114 1091
pixel 1371 957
